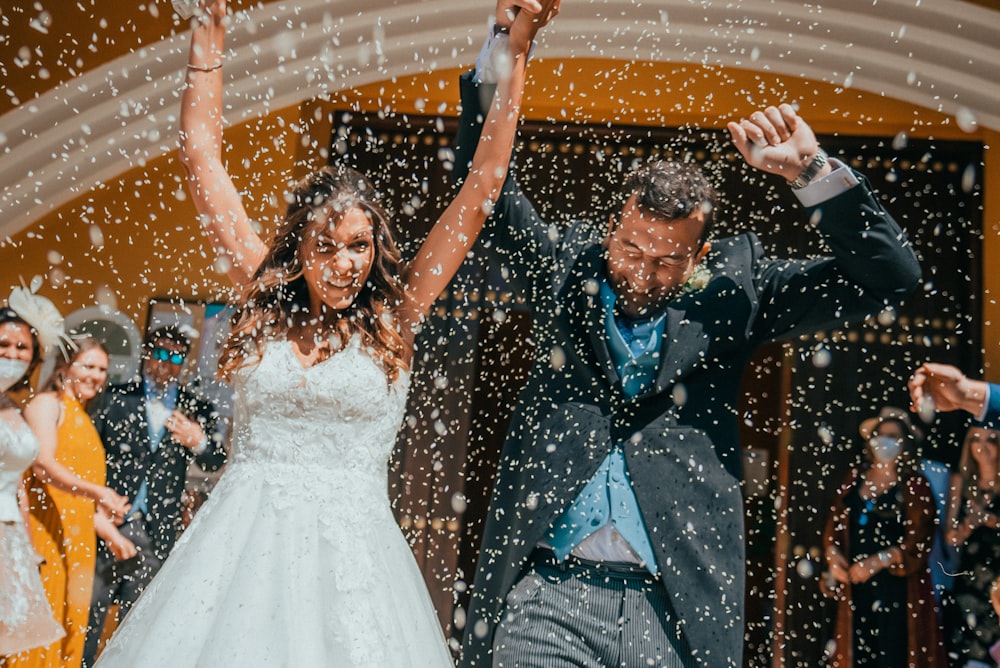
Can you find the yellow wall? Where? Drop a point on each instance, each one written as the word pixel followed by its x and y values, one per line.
pixel 152 245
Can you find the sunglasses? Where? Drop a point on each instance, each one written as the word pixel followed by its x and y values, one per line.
pixel 164 355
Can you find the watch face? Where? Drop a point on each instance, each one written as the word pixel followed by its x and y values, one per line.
pixel 810 172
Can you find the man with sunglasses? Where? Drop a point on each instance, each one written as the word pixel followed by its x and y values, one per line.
pixel 152 429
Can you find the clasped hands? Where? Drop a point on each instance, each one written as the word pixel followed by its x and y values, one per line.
pixel 860 571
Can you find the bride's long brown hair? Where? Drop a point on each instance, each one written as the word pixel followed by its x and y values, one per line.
pixel 278 297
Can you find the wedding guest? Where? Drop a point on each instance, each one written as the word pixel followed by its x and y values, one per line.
pixel 974 528
pixel 26 620
pixel 877 541
pixel 296 558
pixel 152 429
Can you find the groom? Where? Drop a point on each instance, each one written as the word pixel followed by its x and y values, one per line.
pixel 615 531
pixel 151 429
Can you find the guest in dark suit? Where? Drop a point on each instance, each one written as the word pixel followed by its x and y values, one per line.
pixel 615 531
pixel 152 429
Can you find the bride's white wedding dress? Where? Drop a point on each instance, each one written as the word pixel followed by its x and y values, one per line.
pixel 295 560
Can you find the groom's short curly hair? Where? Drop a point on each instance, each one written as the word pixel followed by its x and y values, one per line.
pixel 672 190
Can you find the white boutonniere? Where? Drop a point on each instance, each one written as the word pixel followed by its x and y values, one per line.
pixel 699 278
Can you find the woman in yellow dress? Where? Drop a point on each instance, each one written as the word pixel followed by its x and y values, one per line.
pixel 65 487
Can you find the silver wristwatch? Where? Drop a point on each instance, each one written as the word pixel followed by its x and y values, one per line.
pixel 810 172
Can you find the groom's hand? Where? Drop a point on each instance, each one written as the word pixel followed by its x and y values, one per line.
pixel 777 140
pixel 507 10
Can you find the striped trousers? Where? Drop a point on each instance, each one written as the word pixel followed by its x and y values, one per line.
pixel 583 614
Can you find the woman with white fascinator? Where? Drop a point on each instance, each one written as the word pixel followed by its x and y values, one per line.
pixel 29 324
pixel 65 488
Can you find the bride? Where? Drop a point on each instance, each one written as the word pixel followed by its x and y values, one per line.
pixel 296 559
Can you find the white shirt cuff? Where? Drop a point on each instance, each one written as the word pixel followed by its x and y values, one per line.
pixel 494 49
pixel 494 58
pixel 837 182
pixel 201 447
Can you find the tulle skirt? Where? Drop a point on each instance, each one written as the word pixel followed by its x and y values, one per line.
pixel 26 619
pixel 271 576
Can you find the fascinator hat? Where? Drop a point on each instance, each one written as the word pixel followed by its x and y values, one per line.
pixel 41 315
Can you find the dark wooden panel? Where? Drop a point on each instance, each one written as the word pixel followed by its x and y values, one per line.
pixel 475 350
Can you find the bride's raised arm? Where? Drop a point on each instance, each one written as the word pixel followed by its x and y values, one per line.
pixel 455 232
pixel 224 219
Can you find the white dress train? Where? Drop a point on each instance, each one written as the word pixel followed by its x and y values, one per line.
pixel 296 558
pixel 26 619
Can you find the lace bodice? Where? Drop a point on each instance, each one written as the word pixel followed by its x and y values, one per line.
pixel 297 540
pixel 18 448
pixel 338 416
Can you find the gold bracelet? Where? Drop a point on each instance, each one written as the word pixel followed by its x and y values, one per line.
pixel 203 69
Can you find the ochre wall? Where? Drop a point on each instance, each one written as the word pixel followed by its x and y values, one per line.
pixel 991 255
pixel 151 241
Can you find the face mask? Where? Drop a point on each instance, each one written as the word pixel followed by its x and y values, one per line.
pixel 884 448
pixel 11 371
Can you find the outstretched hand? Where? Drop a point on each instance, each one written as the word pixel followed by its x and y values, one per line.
pixel 507 10
pixel 947 387
pixel 776 140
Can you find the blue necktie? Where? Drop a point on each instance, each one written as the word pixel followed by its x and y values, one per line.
pixel 156 433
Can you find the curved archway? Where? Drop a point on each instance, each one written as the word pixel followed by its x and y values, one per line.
pixel 939 56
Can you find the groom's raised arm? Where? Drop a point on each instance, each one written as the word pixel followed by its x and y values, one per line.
pixel 515 234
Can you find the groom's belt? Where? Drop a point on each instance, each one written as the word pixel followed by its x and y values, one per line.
pixel 543 556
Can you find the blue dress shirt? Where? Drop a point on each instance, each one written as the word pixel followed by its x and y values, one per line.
pixel 608 497
pixel 168 396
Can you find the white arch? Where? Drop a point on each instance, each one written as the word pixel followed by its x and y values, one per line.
pixel 939 55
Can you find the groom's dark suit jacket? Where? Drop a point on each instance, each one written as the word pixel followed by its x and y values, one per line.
pixel 120 418
pixel 680 437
